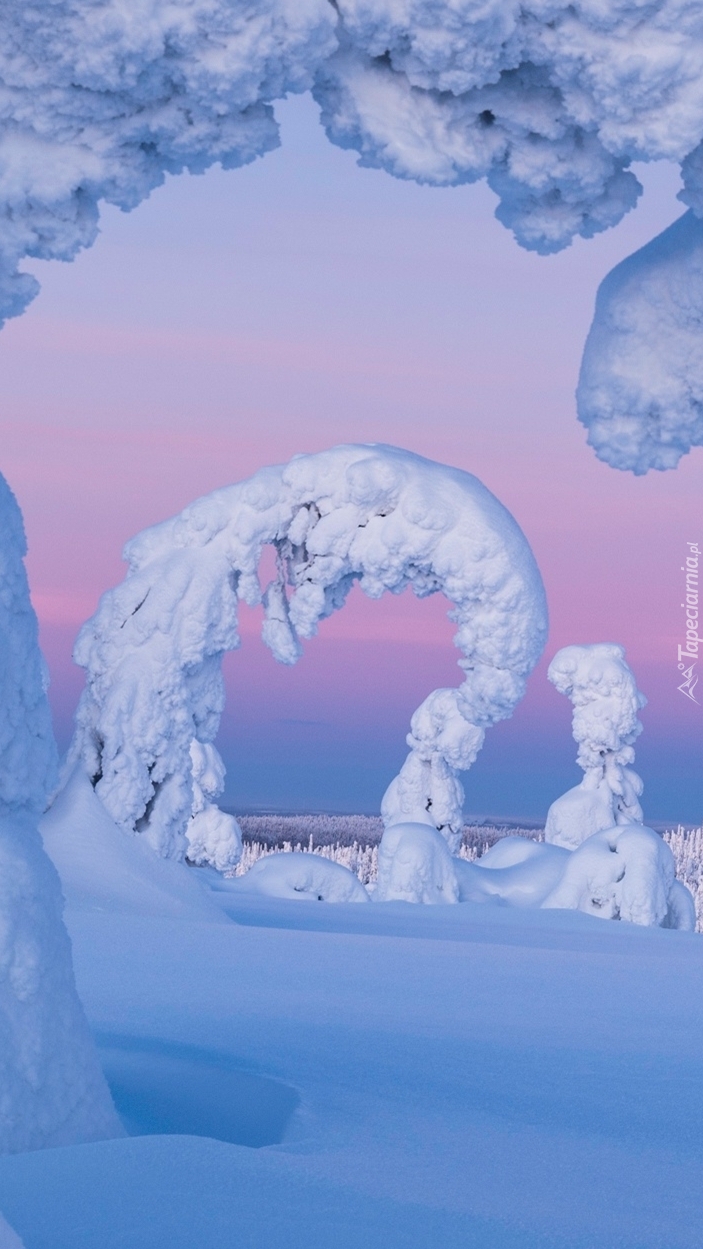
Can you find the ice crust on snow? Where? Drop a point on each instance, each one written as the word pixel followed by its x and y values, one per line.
pixel 549 102
pixel 53 1091
pixel 371 514
pixel 640 392
pixel 606 704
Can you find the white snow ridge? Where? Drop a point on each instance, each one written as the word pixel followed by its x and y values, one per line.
pixel 370 514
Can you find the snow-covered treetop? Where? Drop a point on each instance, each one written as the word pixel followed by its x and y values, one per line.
pixel 605 699
pixel 371 514
pixel 549 100
pixel 27 749
pixel 606 703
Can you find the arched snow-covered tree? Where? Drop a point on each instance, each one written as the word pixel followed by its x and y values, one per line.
pixel 52 1091
pixel 371 514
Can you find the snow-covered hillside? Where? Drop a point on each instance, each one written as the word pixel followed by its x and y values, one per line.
pixel 389 1076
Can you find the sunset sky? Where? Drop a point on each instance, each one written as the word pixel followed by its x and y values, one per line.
pixel 238 318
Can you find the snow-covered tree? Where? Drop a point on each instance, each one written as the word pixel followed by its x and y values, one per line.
pixel 52 1090
pixel 370 514
pixel 606 704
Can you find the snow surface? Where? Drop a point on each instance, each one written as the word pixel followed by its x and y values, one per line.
pixel 433 1075
pixel 640 393
pixel 8 1238
pixel 371 514
pixel 52 1091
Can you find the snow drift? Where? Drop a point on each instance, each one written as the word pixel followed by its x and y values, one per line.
pixel 370 514
pixel 53 1091
pixel 550 104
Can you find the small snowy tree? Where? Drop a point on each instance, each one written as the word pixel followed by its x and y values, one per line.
pixel 370 514
pixel 606 703
pixel 620 869
pixel 52 1091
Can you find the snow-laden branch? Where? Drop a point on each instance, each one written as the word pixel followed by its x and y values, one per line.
pixel 374 515
pixel 606 704
pixel 53 1091
pixel 102 98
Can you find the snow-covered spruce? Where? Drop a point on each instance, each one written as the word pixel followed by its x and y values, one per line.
pixel 640 392
pixel 606 704
pixel 52 1091
pixel 370 514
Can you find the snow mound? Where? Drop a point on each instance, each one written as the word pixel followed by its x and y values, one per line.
pixel 371 514
pixel 101 869
pixel 53 1091
pixel 308 877
pixel 626 872
pixel 606 703
pixel 512 874
pixel 415 865
pixel 640 393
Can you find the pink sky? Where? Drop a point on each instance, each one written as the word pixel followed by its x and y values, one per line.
pixel 238 318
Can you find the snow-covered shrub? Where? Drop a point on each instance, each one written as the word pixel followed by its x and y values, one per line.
pixel 415 865
pixel 371 514
pixel 52 1090
pixel 606 703
pixel 303 876
pixel 625 872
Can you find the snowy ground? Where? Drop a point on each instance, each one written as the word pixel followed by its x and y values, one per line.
pixel 377 1077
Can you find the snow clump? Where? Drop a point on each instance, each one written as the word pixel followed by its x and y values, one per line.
pixel 371 514
pixel 640 392
pixel 53 1090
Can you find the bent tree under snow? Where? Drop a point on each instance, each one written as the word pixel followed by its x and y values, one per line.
pixel 373 515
